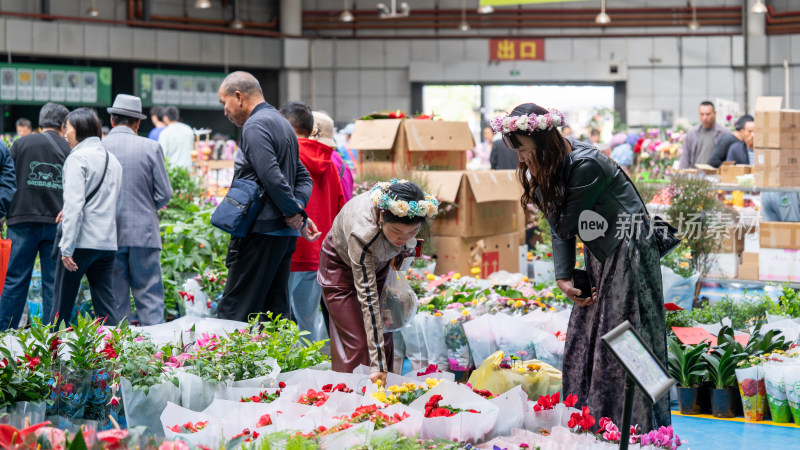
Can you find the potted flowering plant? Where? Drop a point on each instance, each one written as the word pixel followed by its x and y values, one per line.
pixel 687 367
pixel 721 367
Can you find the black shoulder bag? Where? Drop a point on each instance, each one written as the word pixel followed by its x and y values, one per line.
pixel 56 248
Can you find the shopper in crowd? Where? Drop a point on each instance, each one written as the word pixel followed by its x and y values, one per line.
pixel 741 152
pixel 325 202
pixel 323 132
pixel 594 136
pixel 621 151
pixel 502 157
pixel 483 150
pixel 39 160
pixel 156 115
pixel 780 206
pixel 564 178
pixel 8 181
pixel 743 126
pixel 88 245
pixel 348 153
pixel 566 131
pixel 176 139
pixel 24 127
pixel 702 139
pixel 372 230
pixel 258 264
pixel 145 190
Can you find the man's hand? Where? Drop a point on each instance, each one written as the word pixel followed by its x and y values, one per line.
pixel 295 221
pixel 60 215
pixel 375 376
pixel 310 231
pixel 69 263
pixel 575 294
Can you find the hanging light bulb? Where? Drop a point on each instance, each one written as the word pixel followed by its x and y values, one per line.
pixel 694 25
pixel 92 11
pixel 485 9
pixel 602 18
pixel 346 16
pixel 759 8
pixel 463 26
pixel 237 24
pixel 202 4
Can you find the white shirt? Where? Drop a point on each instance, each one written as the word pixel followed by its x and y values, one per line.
pixel 177 141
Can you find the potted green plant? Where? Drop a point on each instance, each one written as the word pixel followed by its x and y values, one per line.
pixel 721 367
pixel 687 367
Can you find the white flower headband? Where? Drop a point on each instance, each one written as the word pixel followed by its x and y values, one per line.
pixel 530 123
pixel 383 199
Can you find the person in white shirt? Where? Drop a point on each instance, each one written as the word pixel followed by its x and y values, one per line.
pixel 88 245
pixel 176 139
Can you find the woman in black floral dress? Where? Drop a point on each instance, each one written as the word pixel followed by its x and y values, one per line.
pixel 583 193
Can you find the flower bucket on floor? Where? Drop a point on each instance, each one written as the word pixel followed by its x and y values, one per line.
pixel 791 378
pixel 722 402
pixel 754 393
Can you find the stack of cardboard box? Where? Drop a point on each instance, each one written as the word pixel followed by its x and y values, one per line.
pixel 779 253
pixel 726 262
pixel 776 144
pixel 485 228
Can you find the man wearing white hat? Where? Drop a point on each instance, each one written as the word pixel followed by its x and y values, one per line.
pixel 145 190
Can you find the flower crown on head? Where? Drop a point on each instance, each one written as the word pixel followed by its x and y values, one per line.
pixel 530 122
pixel 383 199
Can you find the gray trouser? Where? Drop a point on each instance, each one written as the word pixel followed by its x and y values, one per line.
pixel 137 270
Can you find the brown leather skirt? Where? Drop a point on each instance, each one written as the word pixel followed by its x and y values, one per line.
pixel 348 338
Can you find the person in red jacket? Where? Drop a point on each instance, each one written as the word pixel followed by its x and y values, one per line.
pixel 327 198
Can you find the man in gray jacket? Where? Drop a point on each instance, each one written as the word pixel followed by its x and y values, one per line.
pixel 145 190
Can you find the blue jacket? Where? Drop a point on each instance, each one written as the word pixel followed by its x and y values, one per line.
pixel 8 180
pixel 269 155
pixel 739 153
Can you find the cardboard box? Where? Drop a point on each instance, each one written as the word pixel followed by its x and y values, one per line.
pixel 723 265
pixel 734 243
pixel 730 172
pixel 748 272
pixel 777 264
pixel 490 253
pixel 749 259
pixel 708 170
pixel 776 168
pixel 776 127
pixel 780 235
pixel 752 243
pixel 522 227
pixel 488 202
pixel 391 147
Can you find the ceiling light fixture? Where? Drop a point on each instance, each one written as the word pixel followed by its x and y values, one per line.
pixel 485 9
pixel 694 25
pixel 202 4
pixel 463 26
pixel 602 18
pixel 384 12
pixel 92 11
pixel 237 23
pixel 759 8
pixel 346 16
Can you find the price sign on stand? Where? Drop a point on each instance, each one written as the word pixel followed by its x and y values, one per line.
pixel 643 367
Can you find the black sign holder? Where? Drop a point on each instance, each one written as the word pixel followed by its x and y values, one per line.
pixel 643 369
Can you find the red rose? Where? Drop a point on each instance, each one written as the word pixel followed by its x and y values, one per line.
pixel 281 385
pixel 264 421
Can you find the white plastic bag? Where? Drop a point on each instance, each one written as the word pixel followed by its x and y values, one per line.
pixel 145 409
pixel 512 404
pixel 196 393
pixel 414 340
pixel 211 436
pixel 677 289
pixel 197 304
pixel 398 302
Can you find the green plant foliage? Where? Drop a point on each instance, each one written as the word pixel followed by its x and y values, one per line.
pixel 721 365
pixel 686 363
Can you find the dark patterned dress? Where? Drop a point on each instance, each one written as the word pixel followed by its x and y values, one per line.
pixel 628 288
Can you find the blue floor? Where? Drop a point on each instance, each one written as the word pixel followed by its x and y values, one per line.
pixel 701 433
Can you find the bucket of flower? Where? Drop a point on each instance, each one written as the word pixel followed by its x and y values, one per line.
pixel 454 412
pixel 196 428
pixel 499 374
pixel 548 412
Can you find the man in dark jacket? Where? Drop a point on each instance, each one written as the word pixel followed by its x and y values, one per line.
pixel 32 219
pixel 502 157
pixel 743 126
pixel 258 264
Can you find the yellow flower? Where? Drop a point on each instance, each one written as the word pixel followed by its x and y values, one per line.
pixel 533 367
pixel 579 245
pixel 438 314
pixel 684 264
pixel 525 279
pixel 549 295
pixel 475 270
pixel 577 264
pixel 463 313
pixel 519 304
pixel 453 321
pixel 482 299
pixel 520 369
pixel 430 276
pixel 553 309
pixel 380 396
pixel 432 382
pixel 687 255
pixel 456 276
